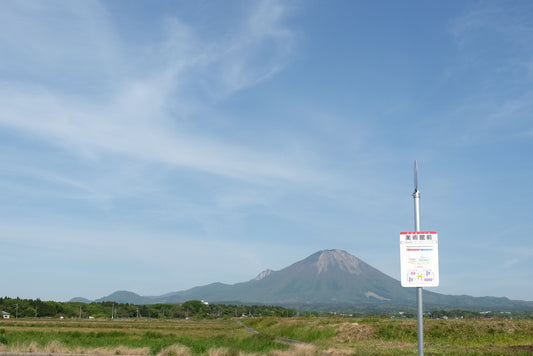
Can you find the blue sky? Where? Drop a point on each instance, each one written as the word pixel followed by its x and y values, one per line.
pixel 158 146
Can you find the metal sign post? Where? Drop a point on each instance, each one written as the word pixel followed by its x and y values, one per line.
pixel 419 262
pixel 419 306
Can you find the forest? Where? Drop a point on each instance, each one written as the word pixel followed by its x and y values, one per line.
pixel 34 308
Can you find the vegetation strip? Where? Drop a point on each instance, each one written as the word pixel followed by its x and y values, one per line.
pixel 277 336
pixel 280 338
pixel 43 354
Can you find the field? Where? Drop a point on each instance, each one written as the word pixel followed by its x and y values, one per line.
pixel 271 336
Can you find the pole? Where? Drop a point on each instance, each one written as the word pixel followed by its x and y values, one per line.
pixel 420 309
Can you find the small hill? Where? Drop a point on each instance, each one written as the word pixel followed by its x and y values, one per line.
pixel 126 297
pixel 80 300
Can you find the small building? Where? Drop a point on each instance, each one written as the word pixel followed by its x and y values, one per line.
pixel 5 315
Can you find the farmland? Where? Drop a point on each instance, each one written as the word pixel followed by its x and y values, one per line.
pixel 232 336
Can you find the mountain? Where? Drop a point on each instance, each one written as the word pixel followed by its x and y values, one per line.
pixel 327 279
pixel 330 276
pixel 80 300
pixel 127 297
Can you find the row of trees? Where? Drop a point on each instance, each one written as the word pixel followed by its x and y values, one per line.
pixel 21 308
pixel 468 314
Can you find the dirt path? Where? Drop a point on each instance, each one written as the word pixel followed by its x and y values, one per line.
pixel 282 339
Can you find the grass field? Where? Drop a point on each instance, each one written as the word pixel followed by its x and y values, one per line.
pixel 228 337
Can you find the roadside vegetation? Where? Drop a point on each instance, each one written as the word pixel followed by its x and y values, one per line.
pixel 386 336
pixel 275 336
pixel 199 328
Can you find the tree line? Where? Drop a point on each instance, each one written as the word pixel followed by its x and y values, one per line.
pixel 35 308
pixel 469 314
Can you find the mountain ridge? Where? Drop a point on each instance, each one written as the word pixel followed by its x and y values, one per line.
pixel 326 278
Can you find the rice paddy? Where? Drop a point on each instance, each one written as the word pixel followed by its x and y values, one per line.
pixel 275 336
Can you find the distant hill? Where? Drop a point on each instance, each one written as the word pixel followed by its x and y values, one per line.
pixel 128 297
pixel 326 280
pixel 80 300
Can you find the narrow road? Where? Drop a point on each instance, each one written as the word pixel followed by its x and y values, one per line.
pixel 250 330
pixel 282 339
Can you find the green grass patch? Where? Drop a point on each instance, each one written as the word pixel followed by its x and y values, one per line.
pixel 302 329
pixel 331 335
pixel 199 336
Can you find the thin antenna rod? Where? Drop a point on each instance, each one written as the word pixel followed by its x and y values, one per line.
pixel 416 177
pixel 416 196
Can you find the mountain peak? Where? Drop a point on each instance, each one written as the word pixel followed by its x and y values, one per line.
pixel 263 274
pixel 338 259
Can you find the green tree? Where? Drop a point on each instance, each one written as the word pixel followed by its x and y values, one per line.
pixel 194 307
pixel 29 312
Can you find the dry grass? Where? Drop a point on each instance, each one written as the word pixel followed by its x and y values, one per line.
pixel 297 350
pixel 175 350
pixel 55 347
pixel 325 336
pixel 349 332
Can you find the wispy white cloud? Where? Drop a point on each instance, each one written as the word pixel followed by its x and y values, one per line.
pixel 135 130
pixel 514 112
pixel 134 120
pixel 493 44
pixel 263 46
pixel 493 23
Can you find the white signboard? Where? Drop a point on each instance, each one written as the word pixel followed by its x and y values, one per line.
pixel 419 256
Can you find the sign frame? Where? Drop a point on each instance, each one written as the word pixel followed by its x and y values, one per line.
pixel 419 257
